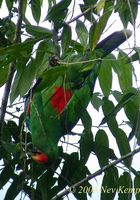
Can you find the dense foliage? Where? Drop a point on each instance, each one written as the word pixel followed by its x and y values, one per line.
pixel 27 50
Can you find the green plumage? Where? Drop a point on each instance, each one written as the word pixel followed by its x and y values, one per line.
pixel 62 95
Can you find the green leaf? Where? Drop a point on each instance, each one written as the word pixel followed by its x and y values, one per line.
pixel 100 6
pixel 14 188
pixel 9 4
pixel 96 101
pixel 137 186
pixel 135 128
pixel 132 106
pixel 123 101
pixel 73 174
pixel 88 3
pixel 67 172
pixel 119 134
pixel 24 6
pixel 85 146
pixel 123 145
pixel 22 81
pixel 82 33
pixel 38 31
pixel 127 11
pixel 135 56
pixel 109 184
pixel 5 175
pixel 1 3
pixel 17 50
pixel 48 180
pixel 124 71
pixel 4 73
pixel 86 140
pixel 117 94
pixel 58 12
pixel 97 29
pixel 124 186
pixel 9 147
pixel 77 46
pixel 105 76
pixel 88 15
pixel 132 112
pixel 36 10
pixel 87 121
pixel 66 38
pixel 101 145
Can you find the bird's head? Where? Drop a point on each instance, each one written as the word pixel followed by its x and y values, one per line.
pixel 40 157
pixel 49 157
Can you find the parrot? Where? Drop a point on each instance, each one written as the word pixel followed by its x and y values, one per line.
pixel 57 100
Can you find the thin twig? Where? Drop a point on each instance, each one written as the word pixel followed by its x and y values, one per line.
pixel 15 104
pixel 10 113
pixel 97 173
pixel 11 68
pixel 78 16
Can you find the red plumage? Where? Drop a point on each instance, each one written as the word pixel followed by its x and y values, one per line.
pixel 60 98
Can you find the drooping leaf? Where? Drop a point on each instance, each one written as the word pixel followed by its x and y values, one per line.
pixel 36 10
pixel 109 184
pixel 101 145
pixel 124 71
pixel 17 50
pixel 135 128
pixel 82 33
pixel 4 73
pixel 67 171
pixel 89 3
pixel 24 6
pixel 105 76
pixel 45 182
pixel 134 57
pixel 96 101
pixel 22 82
pixel 58 13
pixel 132 112
pixel 86 139
pixel 117 95
pixel 132 106
pixel 119 134
pixel 9 147
pixel 124 186
pixel 97 29
pixel 15 187
pixel 66 38
pixel 87 12
pixel 123 101
pixel 137 186
pixel 38 31
pixel 5 175
pixel 71 175
pixel 0 3
pixel 127 11
pixel 9 4
pixel 87 121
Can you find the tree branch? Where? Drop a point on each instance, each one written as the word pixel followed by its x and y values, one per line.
pixel 97 173
pixel 78 16
pixel 11 68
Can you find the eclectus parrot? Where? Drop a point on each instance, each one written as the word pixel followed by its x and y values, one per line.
pixel 56 102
